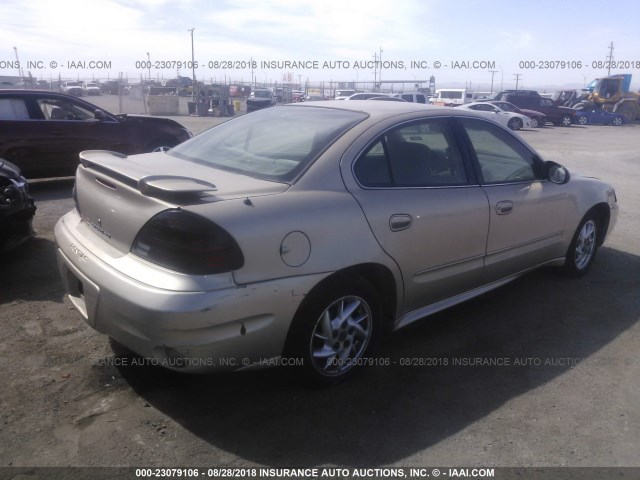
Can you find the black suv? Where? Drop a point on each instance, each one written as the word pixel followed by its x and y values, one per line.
pixel 558 115
pixel 43 132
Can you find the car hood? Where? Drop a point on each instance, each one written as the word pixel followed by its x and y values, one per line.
pixel 9 170
pixel 147 120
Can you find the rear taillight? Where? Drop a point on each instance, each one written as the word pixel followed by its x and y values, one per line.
pixel 187 243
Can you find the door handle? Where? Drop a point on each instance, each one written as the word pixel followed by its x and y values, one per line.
pixel 504 207
pixel 400 221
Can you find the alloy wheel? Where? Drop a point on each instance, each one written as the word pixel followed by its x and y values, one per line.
pixel 341 335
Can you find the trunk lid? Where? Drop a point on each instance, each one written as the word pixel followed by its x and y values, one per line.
pixel 116 195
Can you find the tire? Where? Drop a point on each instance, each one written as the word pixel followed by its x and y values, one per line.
pixel 582 120
pixel 515 124
pixel 332 348
pixel 159 143
pixel 535 123
pixel 626 110
pixel 566 121
pixel 583 248
pixel 617 121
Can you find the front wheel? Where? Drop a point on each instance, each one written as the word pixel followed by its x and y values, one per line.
pixel 566 121
pixel 335 329
pixel 160 145
pixel 515 124
pixel 583 248
pixel 535 123
pixel 617 121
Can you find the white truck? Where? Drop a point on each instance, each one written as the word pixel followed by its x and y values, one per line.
pixel 452 97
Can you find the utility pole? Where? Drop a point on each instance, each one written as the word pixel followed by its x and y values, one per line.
pixel 609 59
pixel 380 74
pixel 193 69
pixel 20 71
pixel 375 69
pixel 517 77
pixel 492 72
pixel 253 82
pixel 149 65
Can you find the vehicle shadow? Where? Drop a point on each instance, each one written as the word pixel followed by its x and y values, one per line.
pixel 51 189
pixel 392 412
pixel 30 272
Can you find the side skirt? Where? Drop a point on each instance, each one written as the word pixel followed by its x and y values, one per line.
pixel 411 317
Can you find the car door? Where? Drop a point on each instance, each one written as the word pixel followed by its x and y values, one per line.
pixel 16 126
pixel 68 127
pixel 490 111
pixel 424 208
pixel 599 115
pixel 527 212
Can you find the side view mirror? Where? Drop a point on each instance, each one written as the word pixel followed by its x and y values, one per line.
pixel 556 173
pixel 100 115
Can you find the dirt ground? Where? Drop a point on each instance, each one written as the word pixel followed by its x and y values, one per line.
pixel 569 395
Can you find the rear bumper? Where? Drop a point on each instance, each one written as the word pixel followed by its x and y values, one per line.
pixel 230 328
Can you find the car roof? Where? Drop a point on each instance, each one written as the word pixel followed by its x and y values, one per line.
pixel 380 110
pixel 31 91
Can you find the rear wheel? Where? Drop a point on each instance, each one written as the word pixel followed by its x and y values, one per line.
pixel 627 110
pixel 535 123
pixel 582 120
pixel 566 121
pixel 583 248
pixel 335 328
pixel 515 124
pixel 617 121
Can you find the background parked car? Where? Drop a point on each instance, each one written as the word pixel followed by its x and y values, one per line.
pixel 366 95
pixel 415 97
pixel 538 119
pixel 229 251
pixel 562 116
pixel 43 132
pixel 388 98
pixel 91 88
pixel 261 98
pixel 589 113
pixel 16 207
pixel 312 98
pixel 514 121
pixel 73 88
pixel 343 94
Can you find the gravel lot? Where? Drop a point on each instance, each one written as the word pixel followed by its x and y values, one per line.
pixel 572 399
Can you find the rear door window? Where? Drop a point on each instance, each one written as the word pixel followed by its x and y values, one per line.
pixel 13 109
pixel 422 154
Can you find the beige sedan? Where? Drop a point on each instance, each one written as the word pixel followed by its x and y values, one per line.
pixel 300 234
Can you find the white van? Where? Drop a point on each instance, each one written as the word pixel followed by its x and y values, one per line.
pixel 451 97
pixel 413 97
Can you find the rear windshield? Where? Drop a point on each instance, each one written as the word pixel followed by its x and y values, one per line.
pixel 273 144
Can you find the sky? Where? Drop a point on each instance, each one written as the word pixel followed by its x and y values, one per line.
pixel 330 40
